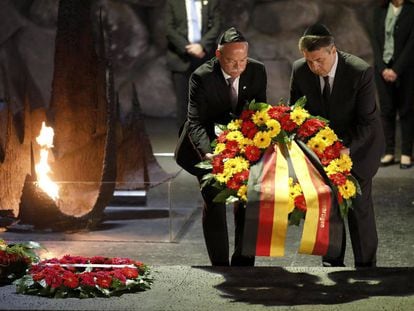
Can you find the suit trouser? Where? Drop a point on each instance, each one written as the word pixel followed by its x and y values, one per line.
pixel 362 229
pixel 216 233
pixel 397 97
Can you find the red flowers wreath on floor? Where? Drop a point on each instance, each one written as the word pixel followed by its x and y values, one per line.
pixel 84 277
pixel 15 258
pixel 242 143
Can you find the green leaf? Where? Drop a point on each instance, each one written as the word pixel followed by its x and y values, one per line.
pixel 222 196
pixel 355 181
pixel 205 165
pixel 300 102
pixel 258 106
pixel 219 128
pixel 295 217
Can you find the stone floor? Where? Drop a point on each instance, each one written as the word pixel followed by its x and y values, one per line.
pixel 166 234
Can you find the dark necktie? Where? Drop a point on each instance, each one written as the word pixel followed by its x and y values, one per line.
pixel 233 93
pixel 326 92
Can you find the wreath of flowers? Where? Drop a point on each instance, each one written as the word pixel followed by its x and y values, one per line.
pixel 84 277
pixel 242 143
pixel 15 259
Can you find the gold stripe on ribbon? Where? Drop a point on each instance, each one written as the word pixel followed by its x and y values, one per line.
pixel 281 202
pixel 310 226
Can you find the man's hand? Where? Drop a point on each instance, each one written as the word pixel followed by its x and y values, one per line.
pixel 196 50
pixel 389 75
pixel 345 151
pixel 208 156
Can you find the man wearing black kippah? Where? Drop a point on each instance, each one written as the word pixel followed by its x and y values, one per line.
pixel 340 87
pixel 218 91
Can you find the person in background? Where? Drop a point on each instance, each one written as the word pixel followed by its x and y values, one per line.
pixel 393 44
pixel 340 87
pixel 192 30
pixel 219 89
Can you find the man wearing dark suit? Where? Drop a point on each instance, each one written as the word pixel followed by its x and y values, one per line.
pixel 210 102
pixel 189 44
pixel 340 87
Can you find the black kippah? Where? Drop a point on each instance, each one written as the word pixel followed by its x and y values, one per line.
pixel 231 35
pixel 317 29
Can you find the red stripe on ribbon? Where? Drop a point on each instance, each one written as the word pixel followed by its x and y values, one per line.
pixel 325 203
pixel 265 227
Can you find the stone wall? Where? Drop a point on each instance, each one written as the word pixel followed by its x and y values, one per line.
pixel 138 42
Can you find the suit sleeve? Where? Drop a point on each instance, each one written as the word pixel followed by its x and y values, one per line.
pixel 174 37
pixel 294 89
pixel 366 113
pixel 208 40
pixel 197 115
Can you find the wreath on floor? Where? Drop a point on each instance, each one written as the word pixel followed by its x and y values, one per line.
pixel 85 277
pixel 15 258
pixel 242 143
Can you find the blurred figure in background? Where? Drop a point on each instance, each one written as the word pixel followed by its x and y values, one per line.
pixel 393 45
pixel 193 27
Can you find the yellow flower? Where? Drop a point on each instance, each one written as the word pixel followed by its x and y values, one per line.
pixel 219 148
pixel 273 127
pixel 345 163
pixel 333 167
pixel 235 135
pixel 223 177
pixel 244 143
pixel 262 139
pixel 327 135
pixel 299 115
pixel 235 165
pixel 242 192
pixel 235 125
pixel 260 117
pixel 348 190
pixel 317 144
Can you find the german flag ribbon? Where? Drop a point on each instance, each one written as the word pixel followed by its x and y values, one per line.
pixel 267 209
pixel 315 235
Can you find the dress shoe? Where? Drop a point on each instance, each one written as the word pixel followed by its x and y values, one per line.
pixel 405 162
pixel 387 160
pixel 332 263
pixel 405 166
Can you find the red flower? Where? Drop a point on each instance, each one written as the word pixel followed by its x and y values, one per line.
pixel 87 278
pixel 249 129
pixel 338 179
pixel 98 260
pixel 52 276
pixel 246 114
pixel 232 146
pixel 277 112
pixel 300 203
pixel 103 279
pixel 117 274
pixel 287 124
pixel 70 279
pixel 217 164
pixel 333 151
pixel 242 176
pixel 233 184
pixel 253 153
pixel 130 273
pixel 222 137
pixel 310 127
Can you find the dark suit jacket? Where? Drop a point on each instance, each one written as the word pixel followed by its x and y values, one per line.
pixel 352 111
pixel 177 32
pixel 209 103
pixel 403 58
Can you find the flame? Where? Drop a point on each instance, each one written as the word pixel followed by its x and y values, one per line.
pixel 45 140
